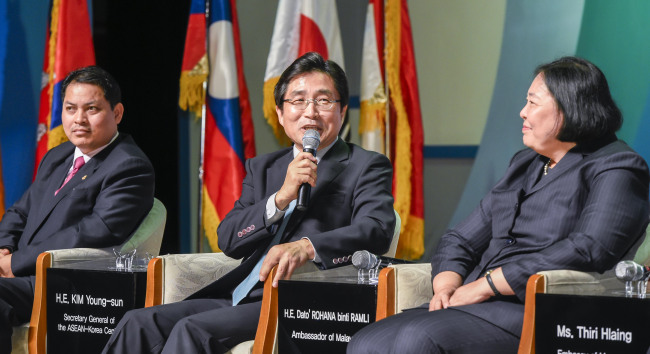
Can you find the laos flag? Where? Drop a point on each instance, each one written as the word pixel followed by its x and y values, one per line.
pixel 229 134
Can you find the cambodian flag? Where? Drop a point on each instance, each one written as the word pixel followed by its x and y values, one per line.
pixel 68 46
pixel 229 134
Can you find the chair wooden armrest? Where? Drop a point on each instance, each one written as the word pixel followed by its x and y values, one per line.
pixel 268 323
pixel 38 322
pixel 557 282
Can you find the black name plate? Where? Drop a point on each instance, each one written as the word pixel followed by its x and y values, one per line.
pixel 572 324
pixel 321 317
pixel 84 306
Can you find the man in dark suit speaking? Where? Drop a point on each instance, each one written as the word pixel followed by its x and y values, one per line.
pixel 92 191
pixel 351 208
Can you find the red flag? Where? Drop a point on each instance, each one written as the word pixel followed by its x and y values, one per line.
pixel 229 137
pixel 406 139
pixel 68 46
pixel 300 27
pixel 194 71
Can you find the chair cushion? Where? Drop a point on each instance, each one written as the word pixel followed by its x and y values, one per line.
pixel 413 285
pixel 184 274
pixel 19 339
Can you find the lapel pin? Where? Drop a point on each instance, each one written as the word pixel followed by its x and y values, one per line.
pixel 84 177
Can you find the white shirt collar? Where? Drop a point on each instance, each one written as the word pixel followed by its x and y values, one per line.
pixel 91 154
pixel 320 153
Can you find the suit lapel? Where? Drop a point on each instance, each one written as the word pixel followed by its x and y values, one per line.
pixel 277 171
pixel 330 166
pixel 566 164
pixel 61 171
pixel 85 172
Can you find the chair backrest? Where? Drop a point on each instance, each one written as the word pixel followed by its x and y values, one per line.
pixel 642 255
pixel 147 238
pixel 393 243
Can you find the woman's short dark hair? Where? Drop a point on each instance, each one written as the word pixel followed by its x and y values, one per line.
pixel 97 76
pixel 582 95
pixel 307 63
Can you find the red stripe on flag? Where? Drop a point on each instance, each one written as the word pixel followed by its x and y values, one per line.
pixel 71 48
pixel 75 42
pixel 196 37
pixel 311 38
pixel 224 171
pixel 411 97
pixel 378 12
pixel 247 129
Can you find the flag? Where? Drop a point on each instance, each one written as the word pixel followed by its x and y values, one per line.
pixel 68 46
pixel 194 70
pixel 372 115
pixel 406 140
pixel 229 137
pixel 2 190
pixel 300 27
pixel 4 31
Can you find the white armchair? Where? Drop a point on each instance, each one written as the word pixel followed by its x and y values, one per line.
pixel 30 338
pixel 171 278
pixel 405 286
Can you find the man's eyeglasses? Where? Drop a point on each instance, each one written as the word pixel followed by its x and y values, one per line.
pixel 322 103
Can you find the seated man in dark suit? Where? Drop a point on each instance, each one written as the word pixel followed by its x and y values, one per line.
pixel 92 191
pixel 351 208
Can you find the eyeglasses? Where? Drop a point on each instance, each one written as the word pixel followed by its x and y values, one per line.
pixel 322 103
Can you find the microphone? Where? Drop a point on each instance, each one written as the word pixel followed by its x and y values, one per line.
pixel 631 271
pixel 367 260
pixel 310 142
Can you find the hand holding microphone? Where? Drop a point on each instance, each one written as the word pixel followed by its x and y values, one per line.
pixel 310 142
pixel 301 172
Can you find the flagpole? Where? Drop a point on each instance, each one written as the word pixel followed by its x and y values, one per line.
pixel 199 241
pixel 199 233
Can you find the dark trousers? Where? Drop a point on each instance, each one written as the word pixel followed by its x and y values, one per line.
pixel 192 326
pixel 443 331
pixel 16 300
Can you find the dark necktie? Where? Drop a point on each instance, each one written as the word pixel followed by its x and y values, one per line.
pixel 77 165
